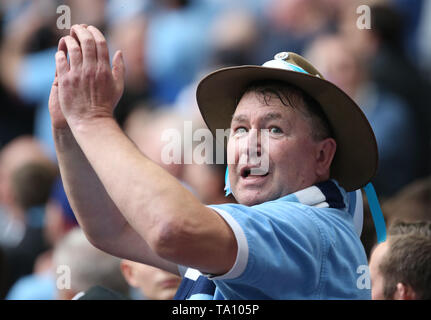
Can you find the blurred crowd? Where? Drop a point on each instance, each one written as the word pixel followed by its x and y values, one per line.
pixel 168 45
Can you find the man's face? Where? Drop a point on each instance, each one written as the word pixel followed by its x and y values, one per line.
pixel 154 283
pixel 287 146
pixel 377 280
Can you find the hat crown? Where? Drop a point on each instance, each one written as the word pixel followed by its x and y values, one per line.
pixel 292 61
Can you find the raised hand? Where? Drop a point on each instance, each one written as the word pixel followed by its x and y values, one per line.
pixel 87 86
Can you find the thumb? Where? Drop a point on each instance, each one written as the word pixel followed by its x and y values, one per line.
pixel 118 70
pixel 53 96
pixel 57 118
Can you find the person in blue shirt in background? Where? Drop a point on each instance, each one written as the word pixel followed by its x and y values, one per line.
pixel 298 149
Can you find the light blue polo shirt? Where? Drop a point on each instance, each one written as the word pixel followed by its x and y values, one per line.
pixel 291 250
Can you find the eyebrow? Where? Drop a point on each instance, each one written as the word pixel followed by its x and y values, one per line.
pixel 239 118
pixel 272 116
pixel 267 117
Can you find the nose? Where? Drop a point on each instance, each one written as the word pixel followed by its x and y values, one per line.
pixel 249 147
pixel 254 143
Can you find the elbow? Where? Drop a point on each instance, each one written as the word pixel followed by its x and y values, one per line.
pixel 166 240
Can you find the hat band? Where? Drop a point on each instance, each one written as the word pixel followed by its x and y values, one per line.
pixel 281 64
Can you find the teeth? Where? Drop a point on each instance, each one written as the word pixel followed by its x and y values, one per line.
pixel 254 172
pixel 259 172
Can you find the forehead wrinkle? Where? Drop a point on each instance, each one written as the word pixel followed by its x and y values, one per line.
pixel 268 114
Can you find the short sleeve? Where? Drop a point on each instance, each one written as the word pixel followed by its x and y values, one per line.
pixel 279 238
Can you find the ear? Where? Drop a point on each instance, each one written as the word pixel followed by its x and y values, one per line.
pixel 325 152
pixel 404 292
pixel 127 270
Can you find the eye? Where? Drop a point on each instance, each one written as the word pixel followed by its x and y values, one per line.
pixel 240 130
pixel 275 130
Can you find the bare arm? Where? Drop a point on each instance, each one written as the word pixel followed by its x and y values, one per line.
pixel 98 216
pixel 174 224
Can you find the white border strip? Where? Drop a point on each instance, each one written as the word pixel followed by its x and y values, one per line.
pixel 310 196
pixel 192 274
pixel 242 254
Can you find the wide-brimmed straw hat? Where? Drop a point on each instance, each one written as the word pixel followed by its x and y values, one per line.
pixel 355 161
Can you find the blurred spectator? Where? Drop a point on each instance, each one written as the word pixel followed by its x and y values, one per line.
pixel 423 34
pixel 87 265
pixel 400 267
pixel 167 43
pixel 292 24
pixel 410 10
pixel 207 179
pixel 412 203
pixel 177 45
pixel 145 128
pixel 393 71
pixel 30 184
pixel 384 55
pixel 16 117
pixel 27 65
pixel 208 182
pixel 59 216
pixel 76 267
pixel 16 154
pixel 395 126
pixel 59 221
pixel 129 34
pixel 234 39
pixel 152 283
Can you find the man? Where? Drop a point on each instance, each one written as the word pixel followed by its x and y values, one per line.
pixel 290 236
pixel 150 283
pixel 400 268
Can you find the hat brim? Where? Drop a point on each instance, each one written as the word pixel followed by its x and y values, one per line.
pixel 356 158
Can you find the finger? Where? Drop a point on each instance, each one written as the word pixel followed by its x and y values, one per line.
pixel 74 50
pixel 101 45
pixel 118 70
pixel 62 46
pixel 88 45
pixel 61 65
